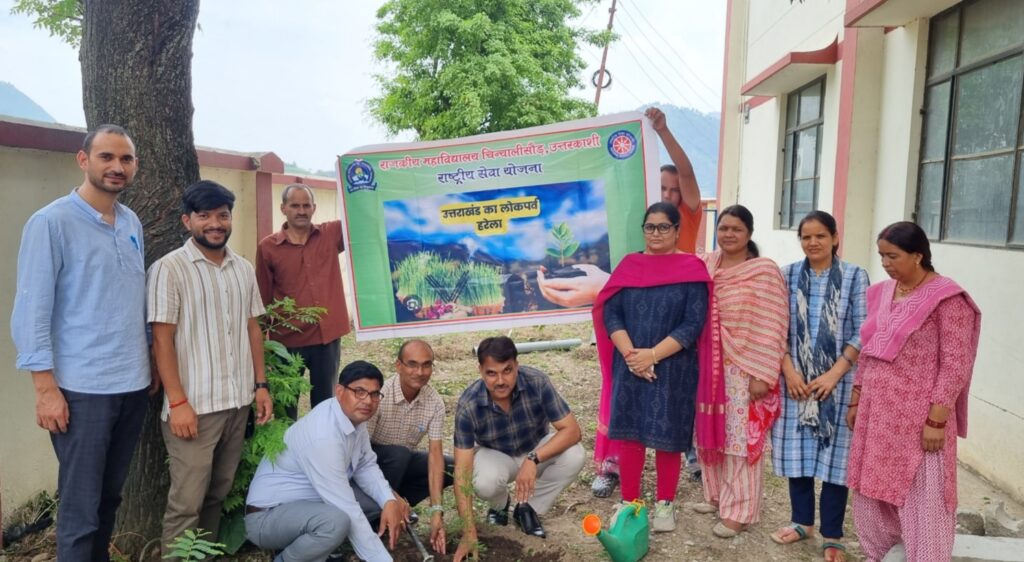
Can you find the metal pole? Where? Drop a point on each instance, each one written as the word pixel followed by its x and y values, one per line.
pixel 530 346
pixel 604 58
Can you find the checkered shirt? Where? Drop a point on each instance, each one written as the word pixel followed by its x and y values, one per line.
pixel 400 422
pixel 535 405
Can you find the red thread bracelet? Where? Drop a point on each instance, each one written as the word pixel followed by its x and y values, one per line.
pixel 932 423
pixel 173 405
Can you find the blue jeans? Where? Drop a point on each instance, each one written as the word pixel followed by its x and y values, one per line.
pixel 93 458
pixel 833 505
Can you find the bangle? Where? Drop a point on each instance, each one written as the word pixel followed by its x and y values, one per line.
pixel 848 360
pixel 854 405
pixel 174 405
pixel 932 423
pixel 436 508
pixel 654 356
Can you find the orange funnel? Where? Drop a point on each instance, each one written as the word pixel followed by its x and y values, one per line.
pixel 591 525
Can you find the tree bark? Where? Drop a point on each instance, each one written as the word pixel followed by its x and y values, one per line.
pixel 136 58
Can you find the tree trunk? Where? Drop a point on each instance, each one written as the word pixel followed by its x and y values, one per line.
pixel 136 60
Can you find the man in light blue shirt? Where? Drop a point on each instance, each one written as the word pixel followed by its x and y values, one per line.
pixel 302 502
pixel 79 325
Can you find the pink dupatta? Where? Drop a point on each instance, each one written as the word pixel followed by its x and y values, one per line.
pixel 751 327
pixel 641 271
pixel 887 328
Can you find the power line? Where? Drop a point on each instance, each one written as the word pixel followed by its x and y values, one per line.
pixel 697 76
pixel 658 69
pixel 713 102
pixel 657 85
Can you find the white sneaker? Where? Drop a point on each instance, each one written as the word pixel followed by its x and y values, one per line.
pixel 664 517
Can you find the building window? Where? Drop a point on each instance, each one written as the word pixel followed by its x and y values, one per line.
pixel 801 156
pixel 969 180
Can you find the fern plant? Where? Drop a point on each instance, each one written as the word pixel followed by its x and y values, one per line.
pixel 191 545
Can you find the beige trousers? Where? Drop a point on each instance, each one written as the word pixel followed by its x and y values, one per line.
pixel 202 471
pixel 493 471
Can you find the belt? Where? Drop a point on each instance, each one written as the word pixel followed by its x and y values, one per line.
pixel 249 509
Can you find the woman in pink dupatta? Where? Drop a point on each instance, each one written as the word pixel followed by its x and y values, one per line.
pixel 649 319
pixel 739 401
pixel 909 402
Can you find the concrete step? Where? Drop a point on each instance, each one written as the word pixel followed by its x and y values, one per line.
pixel 970 548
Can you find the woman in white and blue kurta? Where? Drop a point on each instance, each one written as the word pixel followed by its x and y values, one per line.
pixel 827 303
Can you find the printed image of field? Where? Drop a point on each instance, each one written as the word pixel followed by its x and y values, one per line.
pixel 450 258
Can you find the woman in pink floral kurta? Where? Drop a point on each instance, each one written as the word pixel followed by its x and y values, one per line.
pixel 920 340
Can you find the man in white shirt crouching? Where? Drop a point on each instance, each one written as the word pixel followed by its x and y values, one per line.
pixel 302 502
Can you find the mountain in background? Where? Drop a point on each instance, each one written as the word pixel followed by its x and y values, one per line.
pixel 16 104
pixel 698 134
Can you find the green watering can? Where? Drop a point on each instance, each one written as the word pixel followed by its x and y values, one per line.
pixel 626 540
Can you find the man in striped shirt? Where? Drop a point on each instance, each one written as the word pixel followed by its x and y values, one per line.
pixel 203 305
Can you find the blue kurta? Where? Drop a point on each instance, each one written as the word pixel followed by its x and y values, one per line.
pixel 795 450
pixel 658 414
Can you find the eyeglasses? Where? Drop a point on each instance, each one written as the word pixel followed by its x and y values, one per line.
pixel 416 366
pixel 662 228
pixel 362 393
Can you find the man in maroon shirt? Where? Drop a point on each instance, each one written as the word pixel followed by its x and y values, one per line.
pixel 301 261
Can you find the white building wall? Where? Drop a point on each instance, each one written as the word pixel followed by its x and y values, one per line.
pixel 760 177
pixel 777 27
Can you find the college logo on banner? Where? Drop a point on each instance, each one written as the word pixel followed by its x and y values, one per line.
pixel 621 145
pixel 360 176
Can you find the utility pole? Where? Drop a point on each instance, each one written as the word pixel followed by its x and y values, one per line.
pixel 604 58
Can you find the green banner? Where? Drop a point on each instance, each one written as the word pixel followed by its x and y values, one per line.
pixel 504 229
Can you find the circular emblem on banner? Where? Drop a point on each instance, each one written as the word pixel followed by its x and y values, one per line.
pixel 360 176
pixel 621 144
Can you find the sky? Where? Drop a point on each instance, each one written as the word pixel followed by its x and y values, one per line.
pixel 293 78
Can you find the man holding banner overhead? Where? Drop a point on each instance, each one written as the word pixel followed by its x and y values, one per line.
pixel 301 261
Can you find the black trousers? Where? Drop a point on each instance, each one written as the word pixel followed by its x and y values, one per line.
pixel 406 471
pixel 322 361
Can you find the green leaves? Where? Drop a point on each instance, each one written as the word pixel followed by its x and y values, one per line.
pixel 191 545
pixel 62 18
pixel 463 67
pixel 565 243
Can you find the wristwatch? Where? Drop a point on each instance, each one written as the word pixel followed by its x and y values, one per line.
pixel 260 385
pixel 532 455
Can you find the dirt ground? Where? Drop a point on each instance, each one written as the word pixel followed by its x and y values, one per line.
pixel 576 375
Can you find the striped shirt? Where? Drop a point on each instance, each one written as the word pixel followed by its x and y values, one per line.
pixel 211 306
pixel 400 422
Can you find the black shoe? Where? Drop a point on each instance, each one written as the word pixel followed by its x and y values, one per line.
pixel 695 477
pixel 528 520
pixel 498 517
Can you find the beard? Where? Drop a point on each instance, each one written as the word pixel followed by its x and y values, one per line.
pixel 201 239
pixel 99 182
